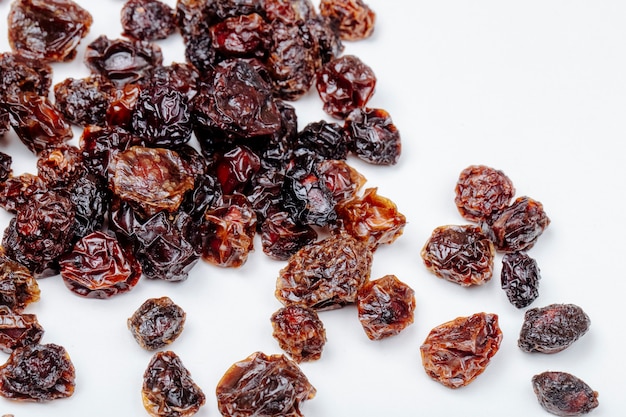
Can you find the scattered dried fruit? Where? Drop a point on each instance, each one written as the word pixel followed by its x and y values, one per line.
pixel 519 278
pixel 299 332
pixel 481 191
pixel 563 394
pixel 157 323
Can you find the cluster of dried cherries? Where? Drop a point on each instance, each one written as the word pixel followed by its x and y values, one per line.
pixel 135 197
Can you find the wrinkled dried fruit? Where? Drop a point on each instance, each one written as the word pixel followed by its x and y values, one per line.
pixel 519 278
pixel 481 191
pixel 18 329
pixel 353 18
pixel 386 307
pixel 326 274
pixel 460 254
pixel 456 352
pixel 168 390
pixel 157 323
pixel 552 328
pixel 18 286
pixel 373 137
pixel 99 267
pixel 147 20
pixel 563 394
pixel 263 385
pixel 37 373
pixel 299 332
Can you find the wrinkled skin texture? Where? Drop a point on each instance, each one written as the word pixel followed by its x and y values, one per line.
pixel 480 191
pixel 552 328
pixel 281 236
pixel 299 332
pixel 157 323
pixel 519 278
pixel 326 274
pixel 47 30
pixel 18 286
pixel 385 307
pixel 459 254
pixel 263 386
pixel 147 20
pixel 564 394
pixel 456 352
pixel 373 137
pixel 168 389
pixel 18 329
pixel 353 18
pixel 99 267
pixel 38 373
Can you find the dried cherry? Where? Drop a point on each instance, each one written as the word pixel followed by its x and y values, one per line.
pixel 456 352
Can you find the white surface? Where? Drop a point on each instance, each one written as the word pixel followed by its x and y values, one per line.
pixel 534 88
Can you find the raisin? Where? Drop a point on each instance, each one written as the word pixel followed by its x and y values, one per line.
pixel 99 267
pixel 5 125
pixel 182 77
pixel 90 198
pixel 456 352
pixel 519 278
pixel 122 61
pixel 299 332
pixel 38 124
pixel 481 191
pixel 289 11
pixel 263 385
pixel 98 145
pixel 38 373
pixel 147 20
pixel 168 389
pixel 552 328
pixel 18 329
pixel 229 231
pixel 47 30
pixel 353 18
pixel 344 84
pixel 122 105
pixel 373 137
pixel 18 286
pixel 281 236
pixel 157 323
pixel 462 254
pixel 235 169
pixel 342 180
pixel 152 179
pixel 372 218
pixel 326 274
pixel 518 226
pixel 563 394
pixel 16 191
pixel 19 74
pixel 328 37
pixel 83 101
pixel 325 139
pixel 241 36
pixel 60 167
pixel 385 306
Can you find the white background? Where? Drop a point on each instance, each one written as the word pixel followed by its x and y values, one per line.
pixel 534 88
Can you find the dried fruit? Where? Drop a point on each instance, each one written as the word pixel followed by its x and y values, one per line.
pixel 326 274
pixel 168 389
pixel 38 373
pixel 519 278
pixel 281 236
pixel 157 323
pixel 564 394
pixel 263 385
pixel 83 101
pixel 353 18
pixel 99 267
pixel 385 306
pixel 47 30
pixel 373 137
pixel 299 332
pixel 18 286
pixel 460 254
pixel 147 20
pixel 552 328
pixel 18 329
pixel 481 191
pixel 456 352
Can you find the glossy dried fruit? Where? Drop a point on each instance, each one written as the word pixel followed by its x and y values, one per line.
pixel 38 373
pixel 563 394
pixel 99 267
pixel 168 389
pixel 372 218
pixel 83 101
pixel 157 323
pixel 47 30
pixel 354 19
pixel 18 286
pixel 519 278
pixel 281 236
pixel 385 306
pixel 481 191
pixel 18 329
pixel 462 254
pixel 344 84
pixel 241 36
pixel 147 20
pixel 518 226
pixel 299 332
pixel 552 328
pixel 263 385
pixel 341 179
pixel 373 137
pixel 152 179
pixel 325 275
pixel 19 75
pixel 456 352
